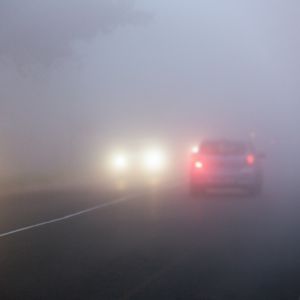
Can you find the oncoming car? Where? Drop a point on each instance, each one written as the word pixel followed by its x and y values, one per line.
pixel 140 164
pixel 226 163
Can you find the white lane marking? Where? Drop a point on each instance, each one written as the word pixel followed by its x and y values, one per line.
pixel 81 212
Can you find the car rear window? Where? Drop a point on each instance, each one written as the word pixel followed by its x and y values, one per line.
pixel 223 148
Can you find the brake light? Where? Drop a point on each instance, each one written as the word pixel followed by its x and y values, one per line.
pixel 198 165
pixel 250 159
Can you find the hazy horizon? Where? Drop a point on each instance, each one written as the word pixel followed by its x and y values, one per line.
pixel 77 76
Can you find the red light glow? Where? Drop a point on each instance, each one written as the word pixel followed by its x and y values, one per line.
pixel 250 159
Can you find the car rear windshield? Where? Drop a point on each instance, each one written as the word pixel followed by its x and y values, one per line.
pixel 223 148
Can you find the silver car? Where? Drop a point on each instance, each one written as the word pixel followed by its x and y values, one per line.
pixel 226 163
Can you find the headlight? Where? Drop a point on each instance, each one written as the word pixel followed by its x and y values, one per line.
pixel 154 160
pixel 120 162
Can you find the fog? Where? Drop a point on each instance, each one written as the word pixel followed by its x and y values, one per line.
pixel 78 76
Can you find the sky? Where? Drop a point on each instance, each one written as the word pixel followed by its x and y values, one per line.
pixel 78 75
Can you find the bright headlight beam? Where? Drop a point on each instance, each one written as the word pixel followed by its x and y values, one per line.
pixel 154 160
pixel 120 162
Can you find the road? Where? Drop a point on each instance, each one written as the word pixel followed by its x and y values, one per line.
pixel 150 243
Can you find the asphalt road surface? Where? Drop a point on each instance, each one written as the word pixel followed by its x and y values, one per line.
pixel 150 243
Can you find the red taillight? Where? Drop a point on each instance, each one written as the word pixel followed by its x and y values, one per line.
pixel 198 165
pixel 250 159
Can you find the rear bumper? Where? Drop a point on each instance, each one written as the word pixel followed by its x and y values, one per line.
pixel 228 180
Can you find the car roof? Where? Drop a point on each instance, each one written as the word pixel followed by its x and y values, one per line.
pixel 247 144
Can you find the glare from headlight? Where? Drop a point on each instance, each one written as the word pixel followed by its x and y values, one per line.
pixel 154 160
pixel 120 162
